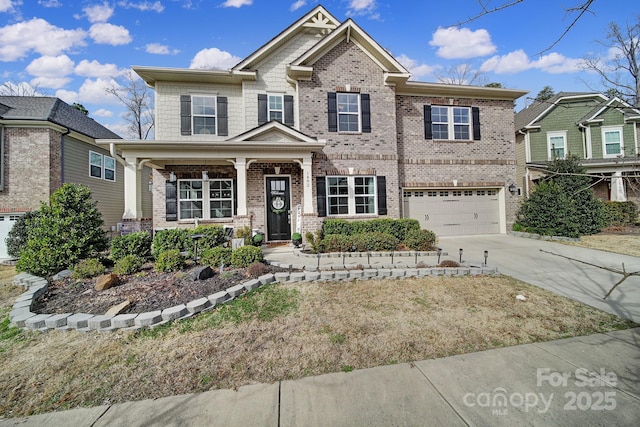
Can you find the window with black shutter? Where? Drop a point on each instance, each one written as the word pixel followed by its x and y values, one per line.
pixel 171 200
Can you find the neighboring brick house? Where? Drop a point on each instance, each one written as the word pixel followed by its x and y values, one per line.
pixel 602 131
pixel 45 143
pixel 322 122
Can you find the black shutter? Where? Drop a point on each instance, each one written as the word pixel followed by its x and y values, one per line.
pixel 223 125
pixel 288 110
pixel 332 111
pixel 428 129
pixel 475 114
pixel 321 195
pixel 262 109
pixel 365 105
pixel 381 188
pixel 185 114
pixel 235 197
pixel 171 200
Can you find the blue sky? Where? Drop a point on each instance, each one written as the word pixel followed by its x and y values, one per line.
pixel 73 49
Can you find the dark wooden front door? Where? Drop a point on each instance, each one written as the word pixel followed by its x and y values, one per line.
pixel 278 208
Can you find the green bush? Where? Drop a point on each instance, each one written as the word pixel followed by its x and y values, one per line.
pixel 128 264
pixel 170 260
pixel 420 240
pixel 213 236
pixel 217 256
pixel 138 243
pixel 374 241
pixel 63 232
pixel 337 243
pixel 315 240
pixel 246 255
pixel 257 239
pixel 175 238
pixel 620 213
pixel 396 227
pixel 17 237
pixel 337 226
pixel 87 268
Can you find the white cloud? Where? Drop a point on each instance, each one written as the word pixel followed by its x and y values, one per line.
pixel 160 49
pixel 363 7
pixel 50 82
pixel 67 96
pixel 298 4
pixel 142 6
pixel 39 36
pixel 5 5
pixel 517 61
pixel 416 69
pixel 462 43
pixel 94 91
pixel 94 68
pixel 114 35
pixel 49 3
pixel 98 13
pixel 237 3
pixel 214 58
pixel 102 113
pixel 50 66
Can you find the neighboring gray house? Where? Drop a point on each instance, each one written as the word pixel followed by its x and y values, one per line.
pixel 323 122
pixel 45 143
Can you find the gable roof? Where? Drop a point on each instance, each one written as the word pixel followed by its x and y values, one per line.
pixel 539 109
pixel 53 110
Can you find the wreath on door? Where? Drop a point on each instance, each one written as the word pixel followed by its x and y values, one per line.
pixel 278 205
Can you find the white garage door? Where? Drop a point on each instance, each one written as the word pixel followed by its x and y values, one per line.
pixel 449 212
pixel 6 222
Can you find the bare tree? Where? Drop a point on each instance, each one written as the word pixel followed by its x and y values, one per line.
pixel 619 72
pixel 578 10
pixel 461 74
pixel 137 99
pixel 19 89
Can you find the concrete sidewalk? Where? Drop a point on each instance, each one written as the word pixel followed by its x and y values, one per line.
pixel 591 380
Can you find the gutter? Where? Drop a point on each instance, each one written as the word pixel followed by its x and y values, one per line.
pixel 67 132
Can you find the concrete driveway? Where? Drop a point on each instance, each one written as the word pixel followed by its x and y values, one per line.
pixel 530 261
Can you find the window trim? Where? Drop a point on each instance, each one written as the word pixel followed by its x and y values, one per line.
pixel 194 115
pixel 351 195
pixel 620 130
pixel 270 110
pixel 451 124
pixel 358 114
pixel 550 146
pixel 206 199
pixel 102 166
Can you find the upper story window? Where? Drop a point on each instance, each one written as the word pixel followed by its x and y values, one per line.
pixel 451 123
pixel 276 107
pixel 557 145
pixel 101 166
pixel 203 115
pixel 612 141
pixel 349 112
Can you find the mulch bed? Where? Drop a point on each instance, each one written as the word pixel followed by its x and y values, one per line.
pixel 147 291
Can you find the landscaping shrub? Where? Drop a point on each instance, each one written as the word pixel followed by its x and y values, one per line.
pixel 63 232
pixel 620 213
pixel 420 240
pixel 217 256
pixel 169 260
pixel 17 237
pixel 176 238
pixel 337 226
pixel 337 243
pixel 449 263
pixel 138 243
pixel 315 240
pixel 257 239
pixel 87 268
pixel 374 241
pixel 256 270
pixel 246 255
pixel 213 236
pixel 396 227
pixel 244 232
pixel 128 264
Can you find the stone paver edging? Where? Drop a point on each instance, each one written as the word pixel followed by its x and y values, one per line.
pixel 21 315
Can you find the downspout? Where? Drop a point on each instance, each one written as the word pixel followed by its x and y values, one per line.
pixel 112 151
pixel 583 128
pixel 65 133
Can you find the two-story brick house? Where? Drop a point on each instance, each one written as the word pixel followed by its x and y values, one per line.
pixel 322 122
pixel 45 143
pixel 603 132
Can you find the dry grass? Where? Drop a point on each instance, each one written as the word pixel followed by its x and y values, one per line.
pixel 627 244
pixel 286 331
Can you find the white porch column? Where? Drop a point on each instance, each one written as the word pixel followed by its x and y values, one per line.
pixel 307 205
pixel 132 189
pixel 241 170
pixel 618 193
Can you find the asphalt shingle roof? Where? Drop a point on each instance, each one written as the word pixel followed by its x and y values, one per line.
pixel 526 116
pixel 52 110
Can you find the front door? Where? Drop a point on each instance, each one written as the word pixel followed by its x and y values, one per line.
pixel 278 208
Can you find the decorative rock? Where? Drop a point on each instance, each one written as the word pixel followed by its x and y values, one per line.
pixel 117 309
pixel 198 305
pixel 106 281
pixel 62 275
pixel 173 313
pixel 202 273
